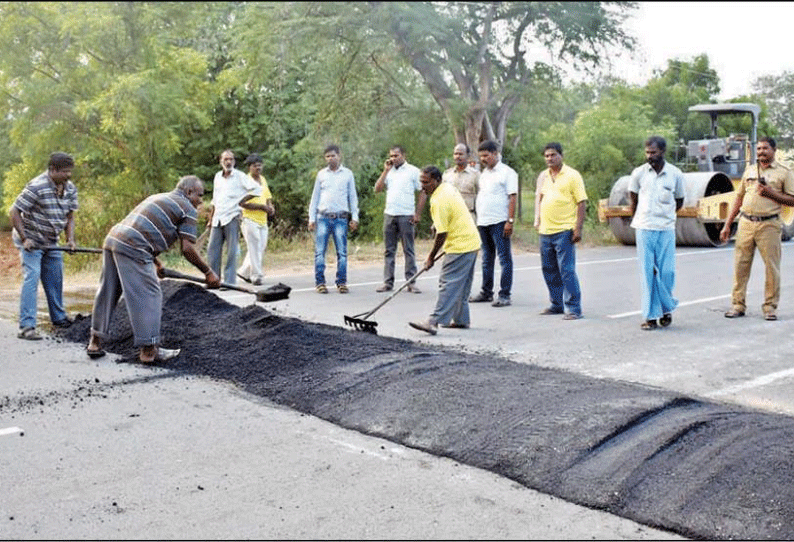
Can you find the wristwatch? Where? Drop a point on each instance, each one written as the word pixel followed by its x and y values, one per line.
pixel 510 220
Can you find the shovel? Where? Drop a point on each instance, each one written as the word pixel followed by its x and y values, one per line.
pixel 75 249
pixel 273 293
pixel 360 322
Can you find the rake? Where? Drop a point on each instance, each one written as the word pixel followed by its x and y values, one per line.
pixel 360 322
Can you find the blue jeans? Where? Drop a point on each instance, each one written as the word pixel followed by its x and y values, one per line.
pixel 229 234
pixel 558 261
pixel 325 228
pixel 494 242
pixel 48 268
pixel 656 257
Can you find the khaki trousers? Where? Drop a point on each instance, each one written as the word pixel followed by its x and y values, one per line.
pixel 766 237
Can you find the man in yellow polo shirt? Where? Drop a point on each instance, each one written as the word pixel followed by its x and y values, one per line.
pixel 562 202
pixel 256 211
pixel 457 236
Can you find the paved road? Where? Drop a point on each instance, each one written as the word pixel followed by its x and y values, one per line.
pixel 745 361
pixel 103 450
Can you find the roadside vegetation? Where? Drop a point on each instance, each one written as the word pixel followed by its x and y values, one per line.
pixel 141 93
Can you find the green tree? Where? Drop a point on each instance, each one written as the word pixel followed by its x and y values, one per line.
pixel 478 58
pixel 108 83
pixel 777 92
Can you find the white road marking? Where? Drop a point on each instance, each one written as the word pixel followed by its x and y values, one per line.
pixel 684 304
pixel 754 383
pixel 529 268
pixel 10 431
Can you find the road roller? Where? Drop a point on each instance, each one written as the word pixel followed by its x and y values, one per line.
pixel 709 191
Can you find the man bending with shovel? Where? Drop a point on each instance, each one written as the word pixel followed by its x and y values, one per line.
pixel 457 235
pixel 131 267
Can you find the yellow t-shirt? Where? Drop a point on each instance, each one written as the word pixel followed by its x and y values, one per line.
pixel 451 216
pixel 257 215
pixel 561 197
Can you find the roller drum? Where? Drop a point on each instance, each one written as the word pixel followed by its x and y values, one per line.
pixel 689 231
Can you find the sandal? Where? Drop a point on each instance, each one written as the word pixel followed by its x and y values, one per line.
pixel 666 320
pixel 648 325
pixel 95 354
pixel 29 334
pixel 322 289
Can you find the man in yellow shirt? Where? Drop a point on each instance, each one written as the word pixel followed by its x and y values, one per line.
pixel 256 211
pixel 562 203
pixel 457 236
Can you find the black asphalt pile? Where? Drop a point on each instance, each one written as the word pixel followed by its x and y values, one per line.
pixel 700 469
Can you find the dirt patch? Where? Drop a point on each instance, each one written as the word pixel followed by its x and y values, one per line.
pixel 699 469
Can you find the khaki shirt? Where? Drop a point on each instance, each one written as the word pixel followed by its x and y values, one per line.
pixel 466 181
pixel 777 176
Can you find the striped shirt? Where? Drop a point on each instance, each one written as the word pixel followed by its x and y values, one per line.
pixel 153 226
pixel 44 213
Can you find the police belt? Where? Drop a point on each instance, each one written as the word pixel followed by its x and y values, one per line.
pixel 754 218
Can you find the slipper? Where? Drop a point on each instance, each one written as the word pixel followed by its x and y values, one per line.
pixel 572 316
pixel 95 354
pixel 163 354
pixel 648 325
pixel 29 334
pixel 770 316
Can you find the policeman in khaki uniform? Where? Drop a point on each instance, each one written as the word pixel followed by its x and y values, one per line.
pixel 765 186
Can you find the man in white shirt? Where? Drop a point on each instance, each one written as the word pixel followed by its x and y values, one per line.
pixel 496 209
pixel 401 181
pixel 230 187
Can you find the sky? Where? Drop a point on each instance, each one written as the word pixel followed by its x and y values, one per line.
pixel 726 31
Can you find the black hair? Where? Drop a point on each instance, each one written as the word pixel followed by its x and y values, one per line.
pixel 489 146
pixel 659 141
pixel 60 160
pixel 553 146
pixel 433 171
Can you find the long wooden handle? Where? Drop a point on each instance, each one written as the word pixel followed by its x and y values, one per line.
pixel 75 249
pixel 401 288
pixel 171 274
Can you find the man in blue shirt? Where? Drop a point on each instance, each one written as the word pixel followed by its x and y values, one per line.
pixel 334 202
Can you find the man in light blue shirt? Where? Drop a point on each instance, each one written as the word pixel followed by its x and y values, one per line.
pixel 401 182
pixel 334 202
pixel 656 191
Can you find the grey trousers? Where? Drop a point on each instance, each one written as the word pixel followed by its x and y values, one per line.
pixel 398 228
pixel 229 234
pixel 142 295
pixel 454 287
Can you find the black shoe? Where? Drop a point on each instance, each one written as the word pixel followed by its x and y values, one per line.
pixel 64 324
